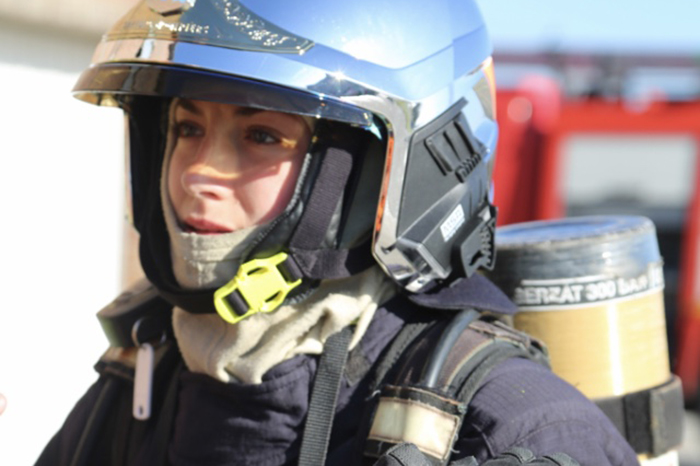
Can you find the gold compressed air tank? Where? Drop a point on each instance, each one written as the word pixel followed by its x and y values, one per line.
pixel 592 289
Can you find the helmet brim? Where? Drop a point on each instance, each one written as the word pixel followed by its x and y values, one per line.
pixel 112 84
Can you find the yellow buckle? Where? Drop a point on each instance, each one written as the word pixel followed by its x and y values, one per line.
pixel 260 283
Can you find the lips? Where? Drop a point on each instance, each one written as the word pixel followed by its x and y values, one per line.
pixel 204 227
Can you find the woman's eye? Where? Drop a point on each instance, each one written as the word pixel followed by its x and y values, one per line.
pixel 260 136
pixel 187 130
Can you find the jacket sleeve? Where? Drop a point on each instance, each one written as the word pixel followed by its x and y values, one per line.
pixel 60 449
pixel 522 404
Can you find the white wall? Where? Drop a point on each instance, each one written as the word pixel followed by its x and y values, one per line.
pixel 60 202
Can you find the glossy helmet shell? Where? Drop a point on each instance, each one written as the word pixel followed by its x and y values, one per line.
pixel 416 77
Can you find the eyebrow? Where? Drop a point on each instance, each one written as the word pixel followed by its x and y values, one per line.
pixel 240 111
pixel 248 111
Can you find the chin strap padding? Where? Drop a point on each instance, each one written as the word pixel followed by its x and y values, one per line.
pixel 322 204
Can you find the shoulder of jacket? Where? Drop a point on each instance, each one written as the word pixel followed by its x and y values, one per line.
pixel 435 374
pixel 137 315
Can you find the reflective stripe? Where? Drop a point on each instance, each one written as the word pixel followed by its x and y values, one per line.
pixel 429 428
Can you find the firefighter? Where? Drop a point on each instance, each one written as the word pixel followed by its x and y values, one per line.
pixel 311 185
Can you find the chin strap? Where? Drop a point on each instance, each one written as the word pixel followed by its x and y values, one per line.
pixel 260 285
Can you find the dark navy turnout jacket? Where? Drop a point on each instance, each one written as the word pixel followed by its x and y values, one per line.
pixel 520 403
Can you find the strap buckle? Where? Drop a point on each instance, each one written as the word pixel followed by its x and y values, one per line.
pixel 259 286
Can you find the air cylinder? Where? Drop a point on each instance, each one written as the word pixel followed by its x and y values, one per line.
pixel 592 289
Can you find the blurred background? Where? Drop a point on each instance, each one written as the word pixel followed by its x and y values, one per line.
pixel 599 112
pixel 599 105
pixel 62 204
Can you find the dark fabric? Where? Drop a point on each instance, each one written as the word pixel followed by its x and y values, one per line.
pixel 61 448
pixel 517 456
pixel 520 404
pixel 476 291
pixel 523 404
pixel 219 424
pixel 328 190
pixel 333 263
pixel 405 454
pixel 652 419
pixel 100 411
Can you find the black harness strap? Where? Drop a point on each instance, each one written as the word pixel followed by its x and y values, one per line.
pixel 387 363
pixel 333 263
pixel 651 420
pixel 405 338
pixel 324 395
pixel 482 363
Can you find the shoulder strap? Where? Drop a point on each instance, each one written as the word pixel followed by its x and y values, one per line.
pixel 324 396
pixel 434 377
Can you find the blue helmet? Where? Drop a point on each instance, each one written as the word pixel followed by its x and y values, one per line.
pixel 407 92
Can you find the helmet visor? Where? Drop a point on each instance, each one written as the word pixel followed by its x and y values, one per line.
pixel 112 84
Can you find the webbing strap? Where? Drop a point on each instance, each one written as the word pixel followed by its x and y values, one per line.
pixel 490 357
pixel 322 203
pixel 324 395
pixel 333 263
pixel 651 420
pixel 406 336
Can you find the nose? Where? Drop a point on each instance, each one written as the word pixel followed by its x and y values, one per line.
pixel 213 171
pixel 200 180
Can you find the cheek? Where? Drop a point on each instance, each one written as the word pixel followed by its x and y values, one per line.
pixel 270 195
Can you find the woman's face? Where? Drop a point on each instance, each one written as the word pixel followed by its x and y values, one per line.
pixel 233 167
